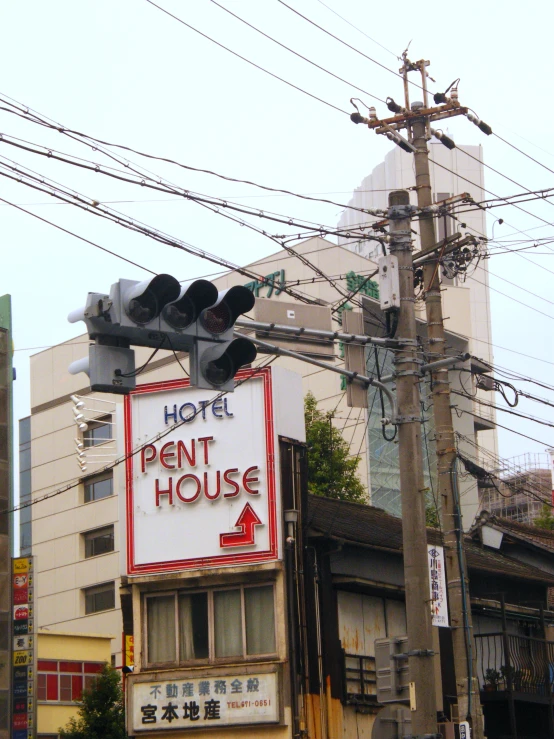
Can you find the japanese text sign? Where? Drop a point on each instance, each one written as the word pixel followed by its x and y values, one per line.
pixel 437 583
pixel 191 703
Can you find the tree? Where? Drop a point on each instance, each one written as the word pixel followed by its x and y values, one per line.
pixel 331 471
pixel 545 519
pixel 101 713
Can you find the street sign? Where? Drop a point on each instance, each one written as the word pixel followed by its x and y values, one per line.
pixel 210 702
pixel 206 494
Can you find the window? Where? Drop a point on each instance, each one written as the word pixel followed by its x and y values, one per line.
pixel 99 486
pixel 211 625
pixel 99 598
pixel 63 681
pixel 99 541
pixel 98 432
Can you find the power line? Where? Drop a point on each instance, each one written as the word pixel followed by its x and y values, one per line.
pixel 123 458
pixel 159 187
pixel 344 43
pixel 504 410
pixel 513 146
pixel 244 59
pixel 358 29
pixel 35 117
pixel 283 46
pixel 81 238
pixel 506 428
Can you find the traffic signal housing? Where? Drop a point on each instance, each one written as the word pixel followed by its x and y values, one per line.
pixel 163 314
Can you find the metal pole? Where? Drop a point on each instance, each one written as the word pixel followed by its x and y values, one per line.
pixel 352 376
pixel 445 441
pixel 507 661
pixel 412 487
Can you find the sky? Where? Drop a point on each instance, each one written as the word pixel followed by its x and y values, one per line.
pixel 127 73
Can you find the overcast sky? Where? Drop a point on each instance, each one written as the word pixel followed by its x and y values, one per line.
pixel 125 72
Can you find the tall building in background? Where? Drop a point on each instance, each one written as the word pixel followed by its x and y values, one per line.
pixel 466 304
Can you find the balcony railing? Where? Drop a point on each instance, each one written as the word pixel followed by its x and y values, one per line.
pixel 521 664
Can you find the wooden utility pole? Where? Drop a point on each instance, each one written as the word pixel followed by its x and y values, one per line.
pixel 469 704
pixel 416 119
pixel 412 487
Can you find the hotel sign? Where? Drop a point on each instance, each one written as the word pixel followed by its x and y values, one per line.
pixel 204 702
pixel 205 494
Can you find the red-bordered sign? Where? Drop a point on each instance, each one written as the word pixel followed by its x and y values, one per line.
pixel 244 532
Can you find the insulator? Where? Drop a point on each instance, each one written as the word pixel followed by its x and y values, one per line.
pixel 444 139
pixel 392 106
pixel 481 125
pixel 484 127
pixel 372 114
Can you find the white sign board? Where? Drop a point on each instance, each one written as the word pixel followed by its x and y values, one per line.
pixel 193 703
pixel 205 494
pixel 437 583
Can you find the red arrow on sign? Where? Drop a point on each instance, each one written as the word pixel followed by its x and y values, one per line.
pixel 246 522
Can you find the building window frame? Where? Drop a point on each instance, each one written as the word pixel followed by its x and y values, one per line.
pixel 102 423
pixel 57 669
pixel 212 659
pixel 89 537
pixel 95 590
pixel 89 485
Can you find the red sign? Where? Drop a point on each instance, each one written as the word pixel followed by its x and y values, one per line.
pixel 246 522
pixel 21 612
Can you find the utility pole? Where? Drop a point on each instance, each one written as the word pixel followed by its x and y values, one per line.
pixel 416 119
pixel 412 487
pixel 456 569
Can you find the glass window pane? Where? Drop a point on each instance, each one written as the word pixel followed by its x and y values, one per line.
pixel 228 623
pixel 101 598
pixel 96 489
pixel 98 433
pixel 260 620
pixel 193 626
pixel 41 687
pixel 99 541
pixel 161 629
pixel 65 688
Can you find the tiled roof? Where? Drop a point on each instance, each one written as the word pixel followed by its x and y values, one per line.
pixel 375 528
pixel 539 537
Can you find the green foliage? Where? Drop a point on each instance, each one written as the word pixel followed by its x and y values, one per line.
pixel 101 713
pixel 432 517
pixel 331 472
pixel 545 519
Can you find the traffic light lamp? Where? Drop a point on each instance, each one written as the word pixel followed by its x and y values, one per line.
pixel 163 314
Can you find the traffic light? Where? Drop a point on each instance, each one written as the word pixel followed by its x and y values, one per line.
pixel 163 314
pixel 217 355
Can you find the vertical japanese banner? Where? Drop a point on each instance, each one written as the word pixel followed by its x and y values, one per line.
pixel 437 582
pixel 24 650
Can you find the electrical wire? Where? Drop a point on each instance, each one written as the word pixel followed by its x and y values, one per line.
pixel 81 238
pixel 358 29
pixel 344 43
pixel 244 59
pixel 34 117
pixel 284 46
pixel 484 403
pixel 123 458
